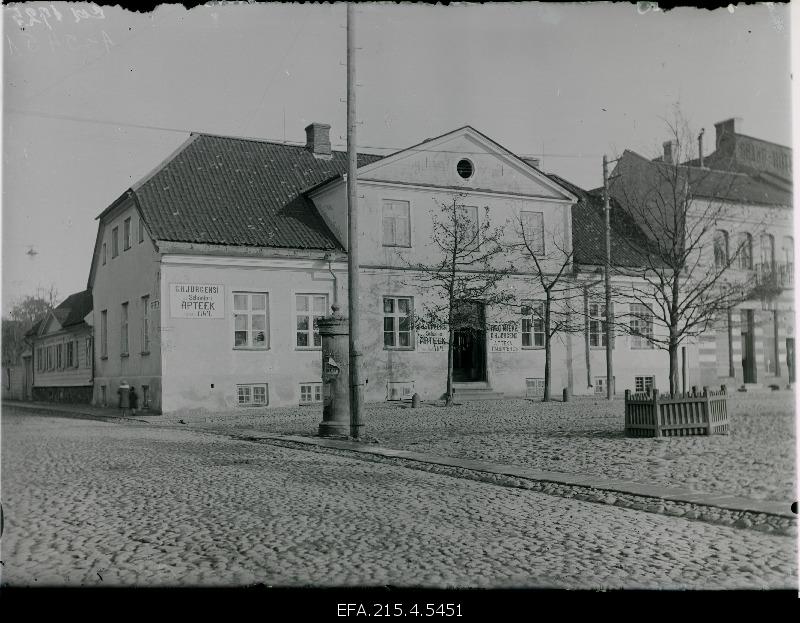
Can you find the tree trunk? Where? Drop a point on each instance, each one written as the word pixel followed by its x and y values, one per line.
pixel 674 366
pixel 449 397
pixel 547 351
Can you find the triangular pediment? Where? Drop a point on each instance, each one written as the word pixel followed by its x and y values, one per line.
pixel 491 167
pixel 51 325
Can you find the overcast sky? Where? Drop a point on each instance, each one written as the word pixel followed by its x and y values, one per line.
pixel 563 82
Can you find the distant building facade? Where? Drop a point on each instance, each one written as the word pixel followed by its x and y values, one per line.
pixel 61 350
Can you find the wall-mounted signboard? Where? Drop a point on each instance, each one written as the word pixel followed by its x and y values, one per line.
pixel 196 300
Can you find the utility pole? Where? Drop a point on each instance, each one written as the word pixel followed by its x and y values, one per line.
pixel 609 314
pixel 356 384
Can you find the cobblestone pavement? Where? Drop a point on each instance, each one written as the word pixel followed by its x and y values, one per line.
pixel 94 503
pixel 583 436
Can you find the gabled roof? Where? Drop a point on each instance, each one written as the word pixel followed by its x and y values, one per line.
pixel 725 181
pixel 69 313
pixel 589 232
pixel 234 191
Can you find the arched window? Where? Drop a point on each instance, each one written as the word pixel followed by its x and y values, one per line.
pixel 767 252
pixel 788 250
pixel 720 248
pixel 745 251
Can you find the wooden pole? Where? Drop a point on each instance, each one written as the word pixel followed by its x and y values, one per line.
pixel 356 384
pixel 609 315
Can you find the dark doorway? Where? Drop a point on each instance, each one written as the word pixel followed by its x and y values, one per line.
pixel 469 342
pixel 790 358
pixel 748 346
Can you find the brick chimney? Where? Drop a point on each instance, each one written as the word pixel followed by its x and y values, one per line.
pixel 726 129
pixel 318 139
pixel 669 152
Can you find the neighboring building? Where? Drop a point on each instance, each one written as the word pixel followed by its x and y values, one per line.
pixel 746 185
pixel 208 275
pixel 61 347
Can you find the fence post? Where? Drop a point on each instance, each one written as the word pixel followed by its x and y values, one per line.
pixel 656 414
pixel 707 409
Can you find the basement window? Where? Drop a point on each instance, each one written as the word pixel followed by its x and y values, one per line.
pixel 254 395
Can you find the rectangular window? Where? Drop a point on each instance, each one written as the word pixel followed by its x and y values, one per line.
pixel 600 385
pixel 397 322
pixel 252 395
pixel 309 308
pixel 104 333
pixel 126 233
pixel 59 358
pixel 534 388
pixel 104 253
pixel 641 326
pixel 141 230
pixel 88 348
pixel 310 393
pixel 103 395
pixel 644 383
pixel 48 357
pixel 396 224
pixel 145 396
pixel 145 324
pixel 70 355
pixel 533 230
pixel 123 331
pixel 532 324
pixel 250 312
pixel 597 325
pixel 39 360
pixel 115 242
pixel 467 224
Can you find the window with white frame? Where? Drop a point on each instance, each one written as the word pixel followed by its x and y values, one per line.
pixel 397 322
pixel 252 395
pixel 641 326
pixel 145 324
pixel 533 230
pixel 467 223
pixel 250 311
pixel 597 325
pixel 123 331
pixel 600 385
pixel 50 357
pixel 396 223
pixel 534 388
pixel 310 393
pixel 532 324
pixel 644 383
pixel 767 248
pixel 115 242
pixel 126 233
pixel 309 308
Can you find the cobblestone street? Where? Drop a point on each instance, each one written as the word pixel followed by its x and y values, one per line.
pixel 95 503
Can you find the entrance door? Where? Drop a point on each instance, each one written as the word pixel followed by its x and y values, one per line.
pixel 748 346
pixel 469 342
pixel 790 358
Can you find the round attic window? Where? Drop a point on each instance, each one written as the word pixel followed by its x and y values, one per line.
pixel 465 168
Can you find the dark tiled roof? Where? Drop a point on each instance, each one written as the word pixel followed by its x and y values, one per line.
pixel 233 191
pixel 589 230
pixel 70 312
pixel 723 178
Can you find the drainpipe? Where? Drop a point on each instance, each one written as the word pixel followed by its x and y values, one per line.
pixel 329 258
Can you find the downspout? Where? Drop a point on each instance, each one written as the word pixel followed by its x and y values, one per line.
pixel 329 258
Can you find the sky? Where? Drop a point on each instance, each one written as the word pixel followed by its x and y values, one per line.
pixel 96 97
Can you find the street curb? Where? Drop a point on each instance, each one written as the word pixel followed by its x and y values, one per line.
pixel 78 415
pixel 768 517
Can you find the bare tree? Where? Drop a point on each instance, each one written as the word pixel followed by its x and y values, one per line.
pixel 466 248
pixel 24 314
pixel 684 212
pixel 552 263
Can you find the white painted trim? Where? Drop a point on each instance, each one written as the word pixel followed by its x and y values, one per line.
pixel 470 191
pixel 251 262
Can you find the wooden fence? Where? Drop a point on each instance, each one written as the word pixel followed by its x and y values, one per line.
pixel 653 414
